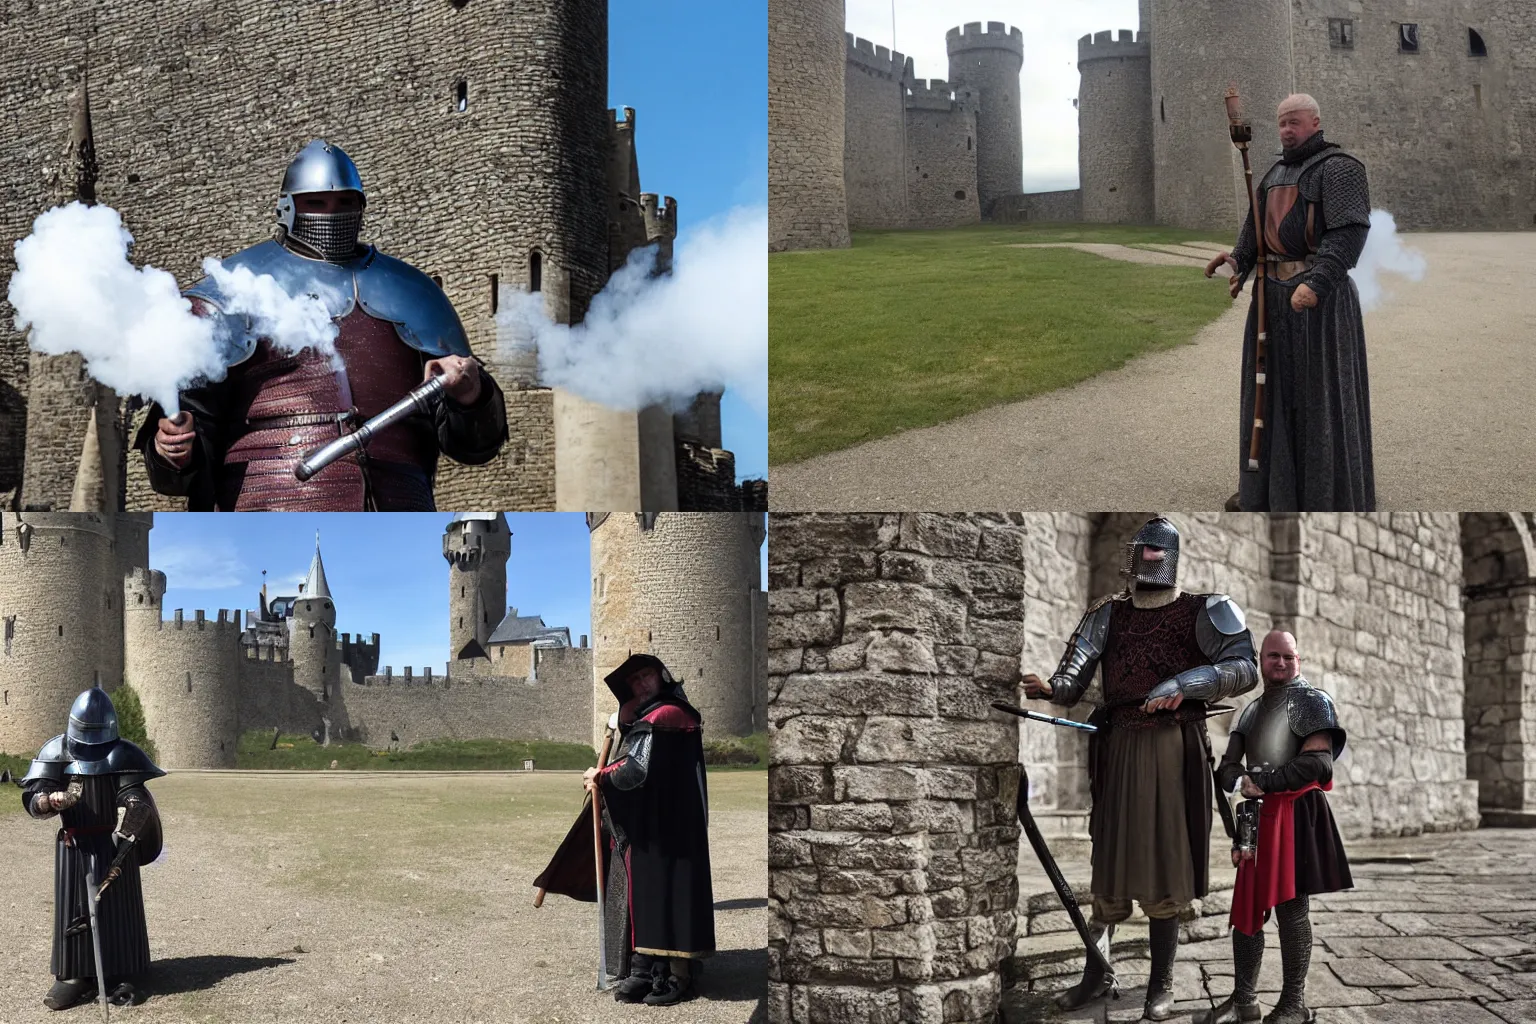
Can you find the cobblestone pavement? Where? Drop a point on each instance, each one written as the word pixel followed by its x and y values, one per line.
pixel 1439 928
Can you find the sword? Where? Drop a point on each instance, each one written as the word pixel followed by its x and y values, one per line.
pixel 1014 709
pixel 90 904
pixel 115 869
pixel 419 400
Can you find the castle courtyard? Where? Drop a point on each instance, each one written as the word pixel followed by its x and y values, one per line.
pixel 295 896
pixel 1449 372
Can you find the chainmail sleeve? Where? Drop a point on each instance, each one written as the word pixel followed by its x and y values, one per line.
pixel 1245 252
pixel 473 434
pixel 1346 200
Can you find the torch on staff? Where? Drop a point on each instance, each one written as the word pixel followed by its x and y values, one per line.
pixel 420 400
pixel 1242 136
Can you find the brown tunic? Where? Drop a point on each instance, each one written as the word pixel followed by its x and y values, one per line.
pixel 1149 774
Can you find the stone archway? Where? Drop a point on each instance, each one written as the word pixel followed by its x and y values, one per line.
pixel 1499 590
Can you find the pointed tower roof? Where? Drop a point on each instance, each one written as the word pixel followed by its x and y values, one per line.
pixel 314 584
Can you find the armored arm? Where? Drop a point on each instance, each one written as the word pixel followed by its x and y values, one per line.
pixel 473 434
pixel 631 771
pixel 1223 636
pixel 1081 659
pixel 33 798
pixel 1231 769
pixel 1345 197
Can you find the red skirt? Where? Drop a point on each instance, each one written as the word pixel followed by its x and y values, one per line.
pixel 1300 854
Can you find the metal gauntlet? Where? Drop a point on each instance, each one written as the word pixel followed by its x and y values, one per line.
pixel 1213 682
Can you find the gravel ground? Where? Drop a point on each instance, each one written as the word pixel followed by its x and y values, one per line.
pixel 1452 369
pixel 380 897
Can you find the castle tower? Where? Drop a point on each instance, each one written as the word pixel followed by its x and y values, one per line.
pixel 989 63
pixel 1196 53
pixel 941 121
pixel 1114 133
pixel 186 673
pixel 683 586
pixel 477 546
pixel 57 593
pixel 807 204
pixel 620 458
pixel 312 634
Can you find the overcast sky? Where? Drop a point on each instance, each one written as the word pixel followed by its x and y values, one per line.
pixel 1048 84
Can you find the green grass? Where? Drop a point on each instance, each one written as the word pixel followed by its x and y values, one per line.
pixel 437 755
pixel 737 753
pixel 10 796
pixel 913 328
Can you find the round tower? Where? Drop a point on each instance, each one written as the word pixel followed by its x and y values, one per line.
pixel 683 586
pixel 312 634
pixel 477 546
pixel 57 593
pixel 1114 134
pixel 186 673
pixel 989 63
pixel 807 204
pixel 1195 56
pixel 131 551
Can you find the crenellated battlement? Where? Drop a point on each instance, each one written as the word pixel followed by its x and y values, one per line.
pixel 939 94
pixel 997 36
pixel 879 60
pixel 660 215
pixel 228 622
pixel 1104 46
pixel 428 677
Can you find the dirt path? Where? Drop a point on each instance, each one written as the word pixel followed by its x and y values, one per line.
pixel 1452 359
pixel 387 897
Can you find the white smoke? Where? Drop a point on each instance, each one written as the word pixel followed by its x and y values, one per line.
pixel 76 290
pixel 1384 251
pixel 291 323
pixel 648 340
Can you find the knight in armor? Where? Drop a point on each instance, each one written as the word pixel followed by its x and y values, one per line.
pixel 84 777
pixel 1289 737
pixel 1164 656
pixel 237 441
pixel 1314 204
pixel 658 809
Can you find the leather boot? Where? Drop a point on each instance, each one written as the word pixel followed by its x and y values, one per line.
pixel 1095 984
pixel 1243 1003
pixel 67 992
pixel 1164 934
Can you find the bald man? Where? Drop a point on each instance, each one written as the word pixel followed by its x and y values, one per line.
pixel 1315 445
pixel 1289 737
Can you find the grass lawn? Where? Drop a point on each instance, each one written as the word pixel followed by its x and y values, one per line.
pixel 10 796
pixel 912 328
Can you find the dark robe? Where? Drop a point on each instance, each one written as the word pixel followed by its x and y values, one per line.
pixel 571 872
pixel 663 828
pixel 1315 449
pixel 254 426
pixel 86 833
pixel 1145 646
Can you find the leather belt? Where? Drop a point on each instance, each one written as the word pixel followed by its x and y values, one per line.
pixel 1284 270
pixel 304 419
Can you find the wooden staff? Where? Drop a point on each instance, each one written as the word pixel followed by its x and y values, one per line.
pixel 597 863
pixel 1242 135
pixel 597 825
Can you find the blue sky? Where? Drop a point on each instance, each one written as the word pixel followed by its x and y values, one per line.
pixel 386 570
pixel 697 75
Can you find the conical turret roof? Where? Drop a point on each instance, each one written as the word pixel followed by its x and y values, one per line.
pixel 315 584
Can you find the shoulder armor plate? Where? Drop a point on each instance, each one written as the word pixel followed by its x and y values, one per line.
pixel 1095 625
pixel 392 290
pixel 1225 615
pixel 49 762
pixel 124 758
pixel 1312 710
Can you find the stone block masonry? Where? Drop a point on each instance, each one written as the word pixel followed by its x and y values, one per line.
pixel 893 841
pixel 807 202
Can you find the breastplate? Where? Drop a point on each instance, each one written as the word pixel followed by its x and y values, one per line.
pixel 1270 741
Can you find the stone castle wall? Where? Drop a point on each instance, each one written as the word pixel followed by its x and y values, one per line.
pixel 892 837
pixel 807 201
pixel 1065 207
pixel 394 710
pixel 186 672
pixel 156 82
pixel 874 150
pixel 941 151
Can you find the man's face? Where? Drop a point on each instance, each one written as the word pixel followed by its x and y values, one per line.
pixel 1278 660
pixel 1152 554
pixel 645 683
pixel 1297 126
pixel 327 202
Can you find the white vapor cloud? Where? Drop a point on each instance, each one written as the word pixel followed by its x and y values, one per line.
pixel 648 340
pixel 1384 251
pixel 75 288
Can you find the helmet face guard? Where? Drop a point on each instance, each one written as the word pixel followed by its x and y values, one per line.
pixel 322 167
pixel 1151 570
pixel 92 725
